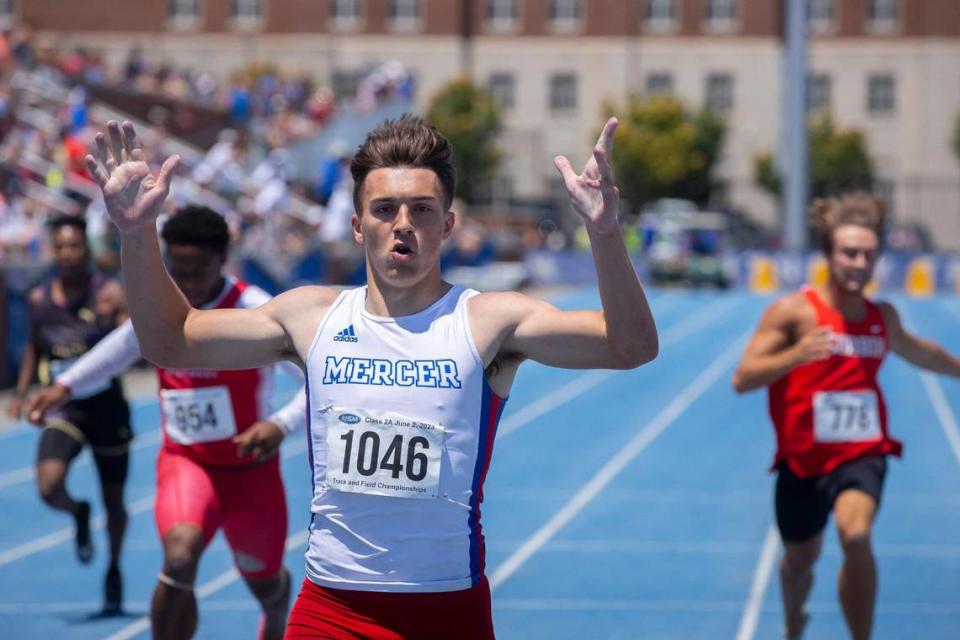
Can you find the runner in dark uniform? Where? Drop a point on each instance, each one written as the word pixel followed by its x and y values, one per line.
pixel 69 314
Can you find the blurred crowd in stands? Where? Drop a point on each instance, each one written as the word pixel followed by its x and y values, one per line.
pixel 291 222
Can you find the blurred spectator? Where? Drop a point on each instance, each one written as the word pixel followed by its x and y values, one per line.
pixel 332 170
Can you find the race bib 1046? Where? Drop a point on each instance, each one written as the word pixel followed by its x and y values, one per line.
pixel 846 416
pixel 382 453
pixel 192 416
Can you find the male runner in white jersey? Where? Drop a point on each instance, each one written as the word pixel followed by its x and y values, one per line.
pixel 406 376
pixel 217 467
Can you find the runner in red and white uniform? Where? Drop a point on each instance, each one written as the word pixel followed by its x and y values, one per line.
pixel 819 351
pixel 218 466
pixel 406 377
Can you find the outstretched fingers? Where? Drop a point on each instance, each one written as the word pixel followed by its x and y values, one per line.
pixel 605 141
pixel 566 171
pixel 167 170
pixel 131 144
pixel 116 141
pixel 97 170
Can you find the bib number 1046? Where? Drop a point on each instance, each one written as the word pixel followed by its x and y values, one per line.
pixel 409 458
pixel 381 453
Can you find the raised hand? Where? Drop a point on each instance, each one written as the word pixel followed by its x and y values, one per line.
pixel 44 400
pixel 133 196
pixel 593 193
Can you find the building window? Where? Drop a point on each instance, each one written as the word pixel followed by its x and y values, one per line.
pixel 881 94
pixel 720 92
pixel 819 88
pixel 721 15
pixel 565 14
pixel 503 15
pixel 882 15
pixel 659 83
pixel 346 14
pixel 184 14
pixel 661 15
pixel 246 14
pixel 178 8
pixel 502 88
pixel 405 15
pixel 822 15
pixel 245 9
pixel 563 93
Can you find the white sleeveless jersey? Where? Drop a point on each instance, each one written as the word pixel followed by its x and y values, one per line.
pixel 401 427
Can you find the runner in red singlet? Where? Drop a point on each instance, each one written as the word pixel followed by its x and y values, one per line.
pixel 819 351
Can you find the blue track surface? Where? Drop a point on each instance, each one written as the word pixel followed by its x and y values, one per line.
pixel 619 505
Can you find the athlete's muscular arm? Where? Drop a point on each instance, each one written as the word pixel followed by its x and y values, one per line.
pixel 171 333
pixel 918 351
pixel 774 349
pixel 623 335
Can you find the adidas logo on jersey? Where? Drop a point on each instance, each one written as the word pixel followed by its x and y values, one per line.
pixel 347 335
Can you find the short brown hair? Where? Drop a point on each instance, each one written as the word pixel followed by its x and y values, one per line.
pixel 407 141
pixel 857 207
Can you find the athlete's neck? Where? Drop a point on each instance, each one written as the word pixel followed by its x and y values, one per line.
pixel 74 285
pixel 394 302
pixel 216 292
pixel 851 305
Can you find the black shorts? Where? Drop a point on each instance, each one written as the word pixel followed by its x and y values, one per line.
pixel 804 504
pixel 103 422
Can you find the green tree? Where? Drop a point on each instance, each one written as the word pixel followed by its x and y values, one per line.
pixel 839 161
pixel 664 150
pixel 468 116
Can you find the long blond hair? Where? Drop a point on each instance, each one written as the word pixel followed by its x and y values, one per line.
pixel 856 207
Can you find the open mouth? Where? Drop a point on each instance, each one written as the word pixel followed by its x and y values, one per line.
pixel 402 249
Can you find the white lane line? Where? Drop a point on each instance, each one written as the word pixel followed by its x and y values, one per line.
pixel 761 579
pixel 141 441
pixel 517 604
pixel 931 384
pixel 66 534
pixel 704 606
pixel 693 547
pixel 133 509
pixel 25 474
pixel 578 386
pixel 617 463
pixel 948 422
pixel 208 588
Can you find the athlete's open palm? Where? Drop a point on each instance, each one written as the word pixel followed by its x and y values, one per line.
pixel 593 193
pixel 133 196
